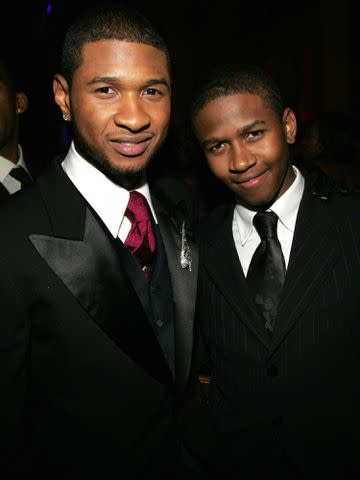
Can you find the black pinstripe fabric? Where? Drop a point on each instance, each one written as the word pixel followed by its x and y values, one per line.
pixel 287 404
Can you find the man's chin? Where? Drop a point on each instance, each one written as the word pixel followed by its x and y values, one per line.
pixel 130 171
pixel 126 177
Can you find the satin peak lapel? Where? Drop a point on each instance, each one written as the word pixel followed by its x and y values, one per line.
pixel 182 258
pixel 91 270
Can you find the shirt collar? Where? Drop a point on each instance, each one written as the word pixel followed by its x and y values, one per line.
pixel 107 198
pixel 6 165
pixel 286 208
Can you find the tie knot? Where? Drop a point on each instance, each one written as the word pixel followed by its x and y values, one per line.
pixel 138 208
pixel 265 224
pixel 141 239
pixel 20 174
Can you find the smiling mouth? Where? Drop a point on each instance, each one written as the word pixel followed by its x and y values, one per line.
pixel 131 147
pixel 250 182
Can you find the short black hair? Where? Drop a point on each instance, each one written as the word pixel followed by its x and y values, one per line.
pixel 107 22
pixel 232 79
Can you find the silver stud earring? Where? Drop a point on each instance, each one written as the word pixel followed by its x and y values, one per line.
pixel 66 117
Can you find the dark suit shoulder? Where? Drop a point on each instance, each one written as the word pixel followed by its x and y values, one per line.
pixel 338 209
pixel 172 189
pixel 171 192
pixel 346 207
pixel 327 190
pixel 325 187
pixel 215 219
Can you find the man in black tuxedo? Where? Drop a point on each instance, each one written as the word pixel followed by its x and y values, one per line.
pixel 283 355
pixel 14 171
pixel 95 342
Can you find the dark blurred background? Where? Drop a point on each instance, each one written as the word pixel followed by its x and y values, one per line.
pixel 310 47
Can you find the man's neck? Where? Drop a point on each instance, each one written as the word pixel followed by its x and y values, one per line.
pixel 10 152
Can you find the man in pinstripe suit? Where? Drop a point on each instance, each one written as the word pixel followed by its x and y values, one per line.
pixel 285 404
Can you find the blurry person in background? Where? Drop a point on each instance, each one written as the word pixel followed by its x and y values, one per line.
pixel 330 143
pixel 15 171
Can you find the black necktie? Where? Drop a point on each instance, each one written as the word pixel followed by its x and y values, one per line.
pixel 20 174
pixel 267 268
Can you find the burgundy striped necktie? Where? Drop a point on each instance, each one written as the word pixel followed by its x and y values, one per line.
pixel 141 240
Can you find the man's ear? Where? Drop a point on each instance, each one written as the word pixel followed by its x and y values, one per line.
pixel 290 125
pixel 21 102
pixel 61 94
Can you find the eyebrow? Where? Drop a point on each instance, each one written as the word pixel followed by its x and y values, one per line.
pixel 251 125
pixel 240 131
pixel 210 140
pixel 115 80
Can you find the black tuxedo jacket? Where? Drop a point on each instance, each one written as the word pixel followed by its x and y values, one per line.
pixel 85 388
pixel 287 405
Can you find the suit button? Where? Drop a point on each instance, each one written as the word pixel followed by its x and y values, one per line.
pixel 272 371
pixel 155 287
pixel 277 422
pixel 159 323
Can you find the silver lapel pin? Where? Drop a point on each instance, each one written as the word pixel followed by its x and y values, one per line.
pixel 185 254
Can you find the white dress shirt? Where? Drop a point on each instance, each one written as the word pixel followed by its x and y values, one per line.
pixel 286 207
pixel 11 184
pixel 107 198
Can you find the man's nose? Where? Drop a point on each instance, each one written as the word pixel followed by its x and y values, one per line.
pixel 131 113
pixel 241 159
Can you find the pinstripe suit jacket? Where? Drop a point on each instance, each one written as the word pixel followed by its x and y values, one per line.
pixel 287 404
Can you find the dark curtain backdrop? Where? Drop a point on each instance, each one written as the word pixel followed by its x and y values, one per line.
pixel 308 46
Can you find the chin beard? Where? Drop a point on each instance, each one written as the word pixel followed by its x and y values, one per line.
pixel 126 178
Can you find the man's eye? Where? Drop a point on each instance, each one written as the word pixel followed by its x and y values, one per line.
pixel 216 148
pixel 104 90
pixel 151 91
pixel 255 133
